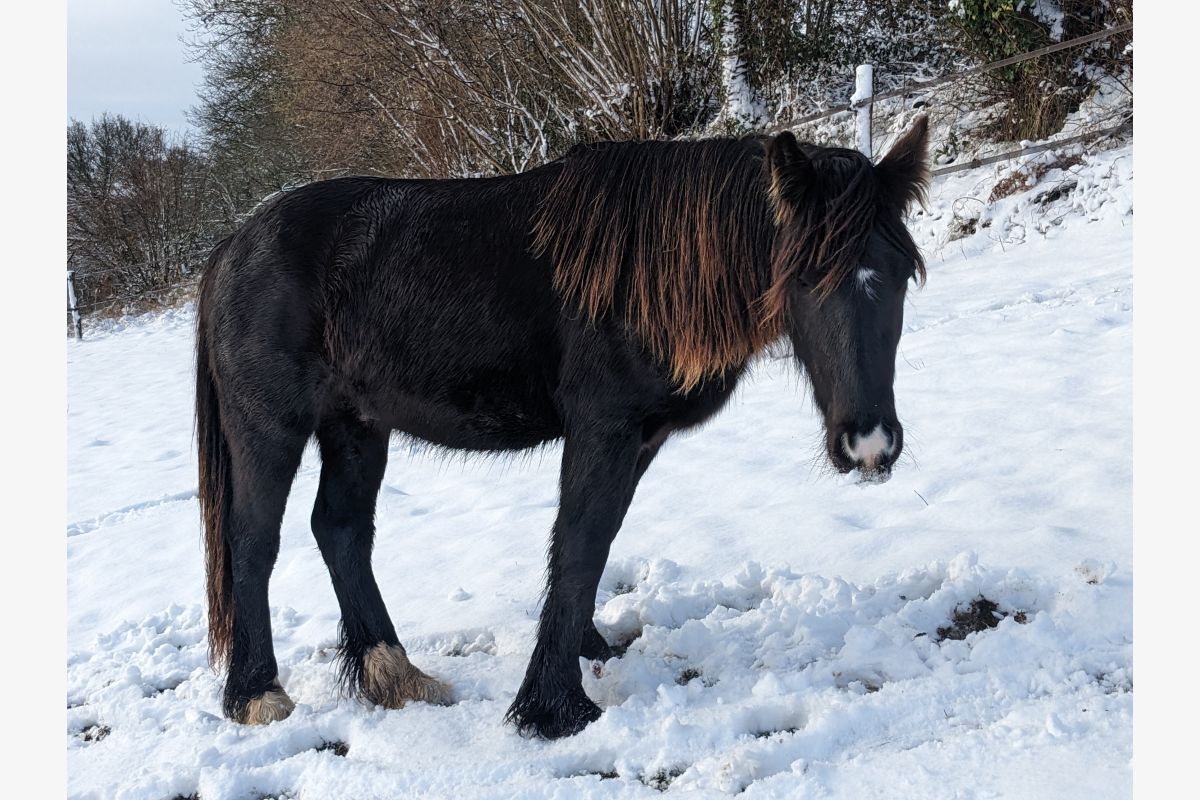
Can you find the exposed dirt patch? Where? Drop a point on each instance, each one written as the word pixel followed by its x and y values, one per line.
pixel 1021 179
pixel 662 779
pixel 168 686
pixel 621 646
pixel 962 227
pixel 339 749
pixel 606 775
pixel 982 614
pixel 1050 195
pixel 95 733
pixel 782 732
pixel 1117 682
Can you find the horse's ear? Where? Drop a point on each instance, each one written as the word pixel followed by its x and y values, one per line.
pixel 904 172
pixel 790 172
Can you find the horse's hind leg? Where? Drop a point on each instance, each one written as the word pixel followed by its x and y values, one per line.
pixel 263 465
pixel 374 664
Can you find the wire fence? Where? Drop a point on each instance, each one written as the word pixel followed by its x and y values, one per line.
pixel 918 87
pixel 861 100
pixel 92 280
pixel 1125 127
pixel 186 263
pixel 864 103
pixel 131 299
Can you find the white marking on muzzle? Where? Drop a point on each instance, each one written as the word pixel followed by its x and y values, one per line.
pixel 867 450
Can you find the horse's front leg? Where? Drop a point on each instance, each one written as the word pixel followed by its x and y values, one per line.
pixel 599 474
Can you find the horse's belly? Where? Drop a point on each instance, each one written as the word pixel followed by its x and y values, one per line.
pixel 474 417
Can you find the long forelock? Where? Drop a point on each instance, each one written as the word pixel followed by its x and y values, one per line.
pixel 824 234
pixel 897 234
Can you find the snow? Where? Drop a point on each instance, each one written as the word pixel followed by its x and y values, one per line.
pixel 786 627
pixel 1050 13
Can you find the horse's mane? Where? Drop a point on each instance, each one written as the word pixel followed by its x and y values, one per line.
pixel 680 241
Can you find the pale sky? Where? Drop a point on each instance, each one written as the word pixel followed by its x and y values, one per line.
pixel 125 56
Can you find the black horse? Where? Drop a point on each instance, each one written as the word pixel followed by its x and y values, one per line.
pixel 609 298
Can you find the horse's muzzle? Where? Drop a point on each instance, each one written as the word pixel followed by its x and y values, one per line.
pixel 871 448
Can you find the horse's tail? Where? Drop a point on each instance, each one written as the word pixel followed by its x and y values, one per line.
pixel 215 488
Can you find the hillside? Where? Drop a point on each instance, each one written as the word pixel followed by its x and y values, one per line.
pixel 790 632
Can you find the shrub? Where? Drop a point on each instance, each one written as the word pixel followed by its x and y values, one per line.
pixel 1035 96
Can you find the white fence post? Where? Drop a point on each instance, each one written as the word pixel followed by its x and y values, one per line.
pixel 73 305
pixel 864 90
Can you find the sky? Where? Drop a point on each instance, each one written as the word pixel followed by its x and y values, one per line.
pixel 125 56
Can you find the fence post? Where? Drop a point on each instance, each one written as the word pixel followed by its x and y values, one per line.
pixel 864 90
pixel 73 305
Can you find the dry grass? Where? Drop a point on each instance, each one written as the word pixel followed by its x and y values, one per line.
pixel 1027 176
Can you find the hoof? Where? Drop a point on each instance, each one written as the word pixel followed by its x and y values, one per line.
pixel 271 705
pixel 554 720
pixel 390 680
pixel 594 647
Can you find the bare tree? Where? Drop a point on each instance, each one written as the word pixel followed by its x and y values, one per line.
pixel 253 149
pixel 303 89
pixel 137 215
pixel 437 87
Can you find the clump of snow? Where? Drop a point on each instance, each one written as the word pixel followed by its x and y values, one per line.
pixel 1050 13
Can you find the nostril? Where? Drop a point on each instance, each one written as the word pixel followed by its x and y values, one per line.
pixel 847 446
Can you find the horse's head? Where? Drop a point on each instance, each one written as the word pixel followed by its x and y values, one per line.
pixel 841 264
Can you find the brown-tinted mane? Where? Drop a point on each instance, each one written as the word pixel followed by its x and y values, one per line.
pixel 673 238
pixel 690 245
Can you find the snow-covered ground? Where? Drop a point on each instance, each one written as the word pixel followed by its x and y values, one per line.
pixel 786 626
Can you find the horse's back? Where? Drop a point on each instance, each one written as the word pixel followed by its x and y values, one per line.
pixel 414 303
